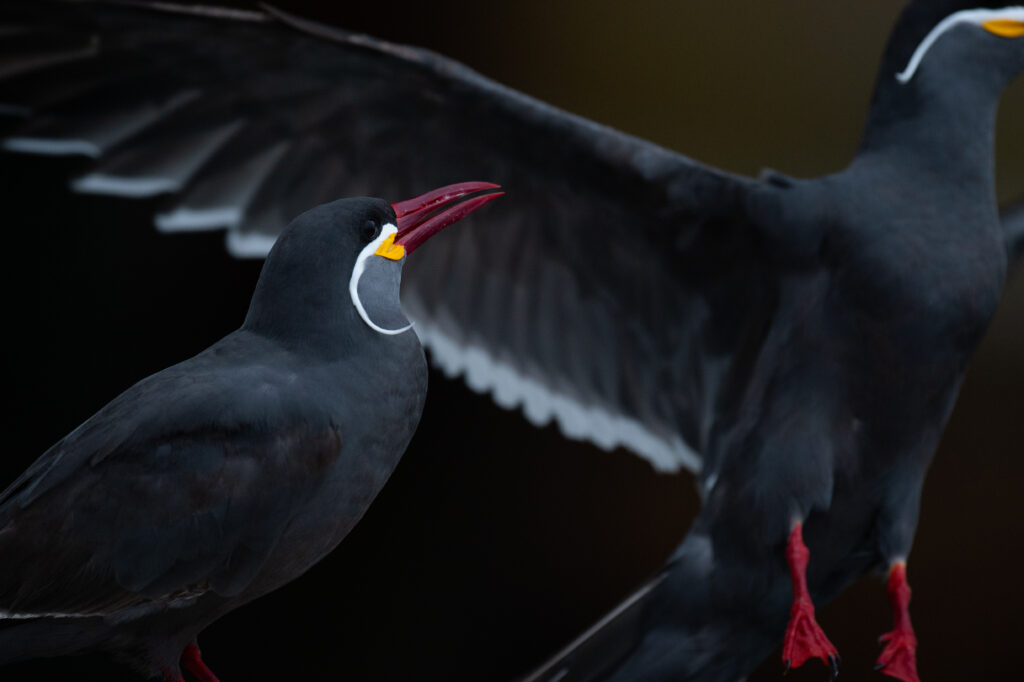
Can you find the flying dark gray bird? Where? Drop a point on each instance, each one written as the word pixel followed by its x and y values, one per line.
pixel 798 344
pixel 221 478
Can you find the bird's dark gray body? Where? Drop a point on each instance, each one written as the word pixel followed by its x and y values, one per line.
pixel 887 278
pixel 218 479
pixel 839 433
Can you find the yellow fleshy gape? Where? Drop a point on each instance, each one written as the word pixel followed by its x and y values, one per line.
pixel 389 249
pixel 1007 28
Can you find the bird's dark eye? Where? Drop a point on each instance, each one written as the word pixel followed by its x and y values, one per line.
pixel 369 231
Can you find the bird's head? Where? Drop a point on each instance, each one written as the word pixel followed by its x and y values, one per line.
pixel 337 267
pixel 985 45
pixel 941 78
pixel 373 285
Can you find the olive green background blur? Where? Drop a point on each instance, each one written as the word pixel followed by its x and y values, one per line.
pixel 496 543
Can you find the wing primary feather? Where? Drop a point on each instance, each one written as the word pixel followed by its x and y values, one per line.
pixel 27 64
pixel 164 166
pixel 92 136
pixel 218 198
pixel 43 146
pixel 210 11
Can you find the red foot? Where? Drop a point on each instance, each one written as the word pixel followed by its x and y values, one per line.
pixel 804 637
pixel 899 658
pixel 192 661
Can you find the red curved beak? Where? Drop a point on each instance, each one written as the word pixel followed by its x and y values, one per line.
pixel 422 217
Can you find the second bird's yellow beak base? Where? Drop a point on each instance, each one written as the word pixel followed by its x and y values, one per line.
pixel 1007 28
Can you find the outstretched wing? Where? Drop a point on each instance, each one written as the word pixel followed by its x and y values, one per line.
pixel 160 513
pixel 608 293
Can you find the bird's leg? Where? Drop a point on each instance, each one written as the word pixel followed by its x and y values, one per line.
pixel 899 658
pixel 804 637
pixel 192 661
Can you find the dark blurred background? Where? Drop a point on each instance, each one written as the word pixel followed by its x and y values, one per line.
pixel 494 543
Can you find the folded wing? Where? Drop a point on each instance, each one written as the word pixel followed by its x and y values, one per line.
pixel 155 503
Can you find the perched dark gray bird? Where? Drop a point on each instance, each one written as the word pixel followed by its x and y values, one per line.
pixel 797 343
pixel 221 478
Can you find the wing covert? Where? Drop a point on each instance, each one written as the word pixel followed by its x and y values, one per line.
pixel 148 515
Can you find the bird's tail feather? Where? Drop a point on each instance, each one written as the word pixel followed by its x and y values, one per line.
pixel 22 640
pixel 607 642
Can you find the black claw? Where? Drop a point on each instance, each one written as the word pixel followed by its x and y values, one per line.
pixel 833 663
pixel 879 666
pixel 786 670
